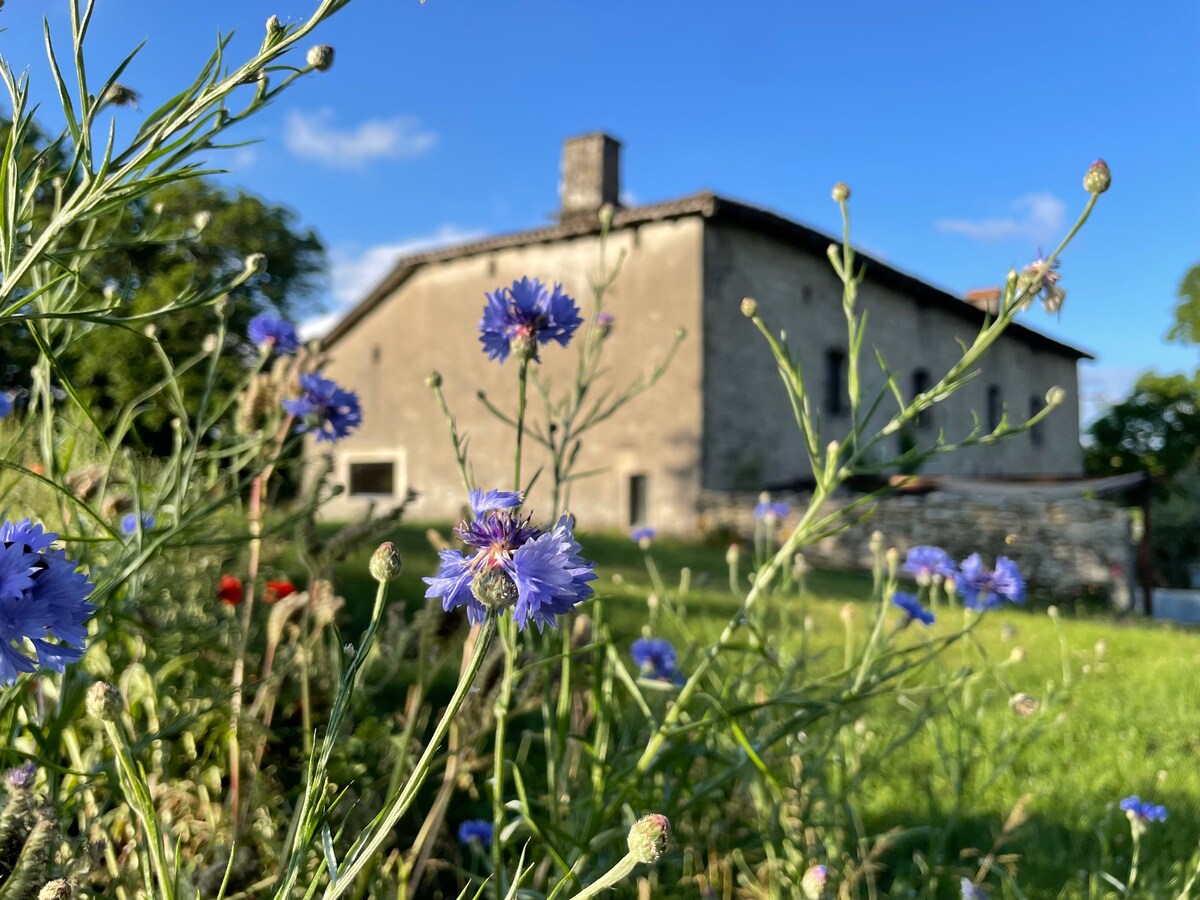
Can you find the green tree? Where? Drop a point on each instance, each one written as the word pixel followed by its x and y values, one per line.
pixel 208 232
pixel 1186 329
pixel 1155 429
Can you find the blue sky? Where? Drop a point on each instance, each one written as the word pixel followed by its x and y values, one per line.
pixel 964 128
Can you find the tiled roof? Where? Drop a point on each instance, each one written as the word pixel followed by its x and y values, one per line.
pixel 710 206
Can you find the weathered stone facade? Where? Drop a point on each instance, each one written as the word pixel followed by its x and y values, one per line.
pixel 720 419
pixel 1063 546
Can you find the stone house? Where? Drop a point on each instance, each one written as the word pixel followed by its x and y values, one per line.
pixel 719 420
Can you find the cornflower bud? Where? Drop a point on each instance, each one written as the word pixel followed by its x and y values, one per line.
pixel 104 701
pixel 320 57
pixel 120 95
pixel 732 554
pixel 606 216
pixel 875 544
pixel 256 263
pixel 847 613
pixel 1098 179
pixel 749 307
pixel 274 27
pixel 649 837
pixel 841 192
pixel 1055 396
pixel 386 563
pixel 1023 705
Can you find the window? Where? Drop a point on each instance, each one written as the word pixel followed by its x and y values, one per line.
pixel 372 478
pixel 920 384
pixel 995 407
pixel 637 500
pixel 1037 436
pixel 835 382
pixel 376 353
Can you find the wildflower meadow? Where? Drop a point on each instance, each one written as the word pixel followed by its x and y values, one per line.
pixel 210 690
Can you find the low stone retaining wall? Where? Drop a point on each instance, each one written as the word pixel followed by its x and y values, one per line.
pixel 1066 547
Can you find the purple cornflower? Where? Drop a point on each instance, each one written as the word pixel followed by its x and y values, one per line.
pixel 537 572
pixel 646 534
pixel 6 404
pixel 605 321
pixel 1143 812
pixel 129 524
pixel 22 775
pixel 517 319
pixel 656 658
pixel 925 562
pixel 1043 279
pixel 475 830
pixel 913 610
pixel 43 600
pixel 813 883
pixel 271 333
pixel 982 588
pixel 776 510
pixel 332 412
pixel 971 891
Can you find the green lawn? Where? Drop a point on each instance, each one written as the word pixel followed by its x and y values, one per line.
pixel 1112 723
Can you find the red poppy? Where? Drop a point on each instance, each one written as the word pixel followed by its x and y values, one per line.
pixel 277 590
pixel 229 589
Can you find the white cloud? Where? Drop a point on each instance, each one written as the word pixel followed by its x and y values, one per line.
pixel 313 135
pixel 1102 386
pixel 1037 217
pixel 355 271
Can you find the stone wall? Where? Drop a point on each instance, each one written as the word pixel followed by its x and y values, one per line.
pixel 1064 546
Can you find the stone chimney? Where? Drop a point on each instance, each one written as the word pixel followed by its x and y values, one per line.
pixel 591 175
pixel 985 299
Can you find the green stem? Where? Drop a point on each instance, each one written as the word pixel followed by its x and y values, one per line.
pixel 508 636
pixel 138 795
pixel 366 851
pixel 522 381
pixel 609 879
pixel 1137 848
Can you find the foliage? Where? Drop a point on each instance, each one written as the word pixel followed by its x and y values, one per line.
pixel 1156 429
pixel 1186 328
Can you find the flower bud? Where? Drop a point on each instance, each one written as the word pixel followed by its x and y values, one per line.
pixel 433 380
pixel 256 263
pixel 1017 655
pixel 22 776
pixel 732 554
pixel 201 219
pixel 386 563
pixel 1101 648
pixel 523 346
pixel 680 332
pixel 749 307
pixel 847 613
pixel 320 57
pixel 1052 612
pixel 1055 396
pixel 1098 178
pixel 606 216
pixel 1023 705
pixel 812 885
pixel 648 838
pixel 875 544
pixel 841 192
pixel 58 889
pixel 104 701
pixel 274 27
pixel 120 95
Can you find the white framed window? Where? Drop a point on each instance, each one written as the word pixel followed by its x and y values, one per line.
pixel 375 475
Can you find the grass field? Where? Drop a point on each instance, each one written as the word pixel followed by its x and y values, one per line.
pixel 1122 718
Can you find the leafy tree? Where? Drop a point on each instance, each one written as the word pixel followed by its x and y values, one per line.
pixel 206 234
pixel 1155 429
pixel 1186 329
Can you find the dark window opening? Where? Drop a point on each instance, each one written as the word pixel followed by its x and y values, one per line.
pixel 995 407
pixel 835 382
pixel 1037 436
pixel 920 384
pixel 372 478
pixel 637 500
pixel 376 353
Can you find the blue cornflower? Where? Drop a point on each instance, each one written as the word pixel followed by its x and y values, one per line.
pixel 656 658
pixel 971 891
pixel 1143 812
pixel 924 562
pixel 537 572
pixel 516 320
pixel 271 333
pixel 22 775
pixel 43 599
pixel 776 509
pixel 638 535
pixel 983 589
pixel 913 610
pixel 6 404
pixel 332 412
pixel 129 524
pixel 475 830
